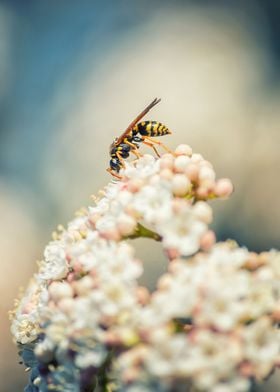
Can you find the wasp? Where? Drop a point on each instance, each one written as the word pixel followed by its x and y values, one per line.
pixel 136 133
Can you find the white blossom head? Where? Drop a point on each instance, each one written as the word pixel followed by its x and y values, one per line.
pixel 85 312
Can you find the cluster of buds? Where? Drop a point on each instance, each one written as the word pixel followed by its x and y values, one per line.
pixel 85 322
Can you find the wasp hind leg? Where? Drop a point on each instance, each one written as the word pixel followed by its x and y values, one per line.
pixel 153 147
pixel 147 139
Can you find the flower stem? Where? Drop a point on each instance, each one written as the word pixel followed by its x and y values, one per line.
pixel 142 232
pixel 103 376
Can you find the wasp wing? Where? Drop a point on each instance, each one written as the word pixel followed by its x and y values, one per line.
pixel 136 120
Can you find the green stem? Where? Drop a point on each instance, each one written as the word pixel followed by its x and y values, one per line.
pixel 103 379
pixel 142 232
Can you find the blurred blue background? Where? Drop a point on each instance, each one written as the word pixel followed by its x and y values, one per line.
pixel 73 74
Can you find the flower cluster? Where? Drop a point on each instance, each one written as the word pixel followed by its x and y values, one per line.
pixel 88 322
pixel 212 321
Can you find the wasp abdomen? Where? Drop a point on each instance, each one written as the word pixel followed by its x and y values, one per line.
pixel 151 128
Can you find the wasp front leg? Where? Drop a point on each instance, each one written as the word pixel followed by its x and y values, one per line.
pixel 115 166
pixel 120 158
pixel 113 173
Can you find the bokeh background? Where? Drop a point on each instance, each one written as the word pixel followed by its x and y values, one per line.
pixel 73 74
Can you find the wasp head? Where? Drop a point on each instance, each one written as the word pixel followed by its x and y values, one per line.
pixel 113 146
pixel 115 164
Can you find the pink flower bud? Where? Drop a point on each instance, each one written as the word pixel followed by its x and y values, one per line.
pixel 183 149
pixel 180 185
pixel 208 240
pixel 181 163
pixel 111 338
pixel 134 185
pixel 223 187
pixel 70 277
pixel 196 158
pixel 202 192
pixel 143 295
pixel 130 374
pixel 172 253
pixel 126 224
pixel 203 211
pixel 276 316
pixel 207 173
pixel 178 205
pixel 107 229
pixel 66 305
pixel 28 308
pixel 166 174
pixel 59 290
pixel 167 161
pixel 192 172
pixel 164 282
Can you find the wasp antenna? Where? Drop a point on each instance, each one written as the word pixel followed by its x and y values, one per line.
pixel 154 102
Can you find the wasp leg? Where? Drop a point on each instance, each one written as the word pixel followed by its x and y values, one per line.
pixel 158 143
pixel 136 153
pixel 134 149
pixel 120 158
pixel 114 174
pixel 153 147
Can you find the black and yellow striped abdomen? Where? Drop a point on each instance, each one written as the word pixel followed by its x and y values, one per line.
pixel 150 128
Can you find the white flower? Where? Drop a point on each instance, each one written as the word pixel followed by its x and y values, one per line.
pixel 55 265
pixel 144 168
pixel 86 298
pixel 24 329
pixel 91 358
pixel 153 203
pixel 59 290
pixel 182 231
pixel 27 316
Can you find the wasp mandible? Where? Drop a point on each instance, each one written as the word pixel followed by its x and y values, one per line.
pixel 131 138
